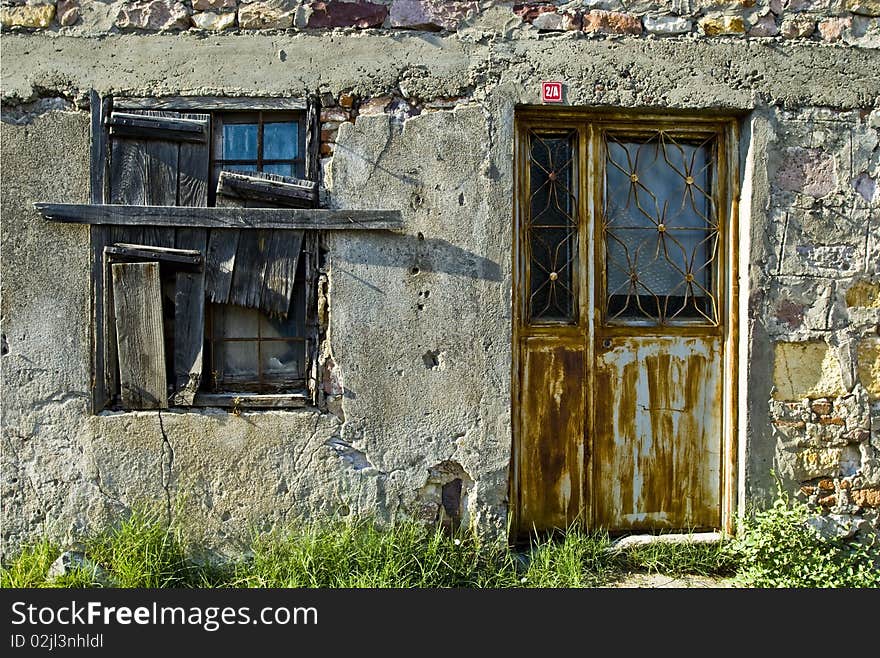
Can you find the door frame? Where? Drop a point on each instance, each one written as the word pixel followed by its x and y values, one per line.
pixel 586 121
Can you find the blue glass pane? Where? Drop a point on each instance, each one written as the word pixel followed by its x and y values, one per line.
pixel 241 167
pixel 240 141
pixel 279 141
pixel 280 169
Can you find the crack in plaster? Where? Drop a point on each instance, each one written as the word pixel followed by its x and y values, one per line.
pixel 166 466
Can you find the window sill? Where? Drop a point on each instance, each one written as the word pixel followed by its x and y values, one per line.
pixel 253 400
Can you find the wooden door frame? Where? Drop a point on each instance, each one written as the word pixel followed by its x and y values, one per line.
pixel 586 122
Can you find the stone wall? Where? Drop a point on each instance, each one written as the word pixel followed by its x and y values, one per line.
pixel 848 21
pixel 420 333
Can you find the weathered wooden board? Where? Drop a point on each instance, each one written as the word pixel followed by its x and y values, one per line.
pixel 137 305
pixel 271 188
pixel 229 217
pixel 119 252
pixel 149 126
pixel 279 275
pixel 189 321
pixel 220 263
pixel 250 268
pixel 193 169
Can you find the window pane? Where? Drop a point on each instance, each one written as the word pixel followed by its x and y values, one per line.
pixel 236 362
pixel 280 169
pixel 239 141
pixel 283 361
pixel 235 322
pixel 660 229
pixel 552 228
pixel 279 141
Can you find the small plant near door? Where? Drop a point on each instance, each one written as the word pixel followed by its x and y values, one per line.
pixel 777 547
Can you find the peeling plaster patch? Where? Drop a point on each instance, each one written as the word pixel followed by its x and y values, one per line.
pixel 433 360
pixel 865 186
pixel 355 458
pixel 25 113
pixel 806 370
pixel 443 499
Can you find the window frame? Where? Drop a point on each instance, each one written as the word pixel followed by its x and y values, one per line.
pixel 307 167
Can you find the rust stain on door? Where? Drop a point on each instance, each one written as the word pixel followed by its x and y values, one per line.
pixel 657 442
pixel 552 435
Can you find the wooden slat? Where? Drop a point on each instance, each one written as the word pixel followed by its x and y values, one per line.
pixel 193 167
pixel 189 321
pixel 151 126
pixel 219 264
pixel 250 268
pixel 99 148
pixel 101 387
pixel 128 172
pixel 253 218
pixel 189 335
pixel 161 183
pixel 138 309
pixel 137 252
pixel 279 276
pixel 209 103
pixel 260 186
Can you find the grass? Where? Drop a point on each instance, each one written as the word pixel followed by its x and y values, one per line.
pixel 774 549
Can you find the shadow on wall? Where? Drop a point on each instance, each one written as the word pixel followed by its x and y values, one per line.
pixel 419 254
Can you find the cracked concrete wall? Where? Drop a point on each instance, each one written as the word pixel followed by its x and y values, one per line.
pixel 420 320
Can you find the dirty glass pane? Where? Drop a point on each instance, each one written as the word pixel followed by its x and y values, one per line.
pixel 280 169
pixel 660 229
pixel 236 322
pixel 237 361
pixel 552 228
pixel 282 360
pixel 239 141
pixel 279 141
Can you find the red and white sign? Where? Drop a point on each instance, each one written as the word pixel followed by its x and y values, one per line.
pixel 551 92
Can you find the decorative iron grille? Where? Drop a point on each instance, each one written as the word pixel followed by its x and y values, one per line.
pixel 660 228
pixel 551 227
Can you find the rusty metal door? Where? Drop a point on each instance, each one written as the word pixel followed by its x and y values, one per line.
pixel 623 371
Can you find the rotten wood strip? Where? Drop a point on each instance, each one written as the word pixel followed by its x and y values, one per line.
pixel 138 252
pixel 209 103
pixel 279 275
pixel 189 321
pixel 99 147
pixel 272 188
pixel 226 217
pixel 149 126
pixel 101 388
pixel 220 263
pixel 250 268
pixel 137 305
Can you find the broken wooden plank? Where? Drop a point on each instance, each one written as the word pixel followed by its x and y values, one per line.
pixel 250 267
pixel 272 188
pixel 227 217
pixel 137 304
pixel 189 335
pixel 279 275
pixel 143 126
pixel 219 264
pixel 189 321
pixel 208 103
pixel 138 252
